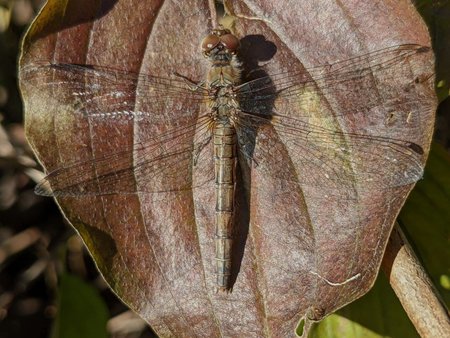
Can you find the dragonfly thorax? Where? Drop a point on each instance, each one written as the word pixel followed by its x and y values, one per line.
pixel 224 73
pixel 224 104
pixel 222 79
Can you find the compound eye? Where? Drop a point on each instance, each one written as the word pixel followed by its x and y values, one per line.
pixel 230 42
pixel 210 42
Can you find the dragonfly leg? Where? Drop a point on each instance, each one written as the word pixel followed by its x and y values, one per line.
pixel 199 147
pixel 248 154
pixel 226 290
pixel 192 85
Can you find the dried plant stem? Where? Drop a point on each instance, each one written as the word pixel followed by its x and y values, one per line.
pixel 213 12
pixel 414 289
pixel 19 242
pixel 125 324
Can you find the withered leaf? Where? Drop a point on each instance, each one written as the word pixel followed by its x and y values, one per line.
pixel 120 133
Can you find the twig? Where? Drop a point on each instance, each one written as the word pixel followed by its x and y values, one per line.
pixel 213 13
pixel 125 323
pixel 414 289
pixel 19 242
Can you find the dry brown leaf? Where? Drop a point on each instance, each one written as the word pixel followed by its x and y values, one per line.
pixel 304 247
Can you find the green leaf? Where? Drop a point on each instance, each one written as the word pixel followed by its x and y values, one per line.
pixel 81 311
pixel 425 219
pixel 436 14
pixel 377 314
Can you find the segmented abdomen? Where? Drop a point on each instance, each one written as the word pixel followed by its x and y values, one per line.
pixel 225 172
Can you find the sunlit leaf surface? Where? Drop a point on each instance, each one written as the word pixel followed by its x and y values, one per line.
pixel 334 130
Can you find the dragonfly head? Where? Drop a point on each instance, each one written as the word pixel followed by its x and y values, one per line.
pixel 220 45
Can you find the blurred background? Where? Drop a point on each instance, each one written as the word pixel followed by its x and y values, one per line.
pixel 49 286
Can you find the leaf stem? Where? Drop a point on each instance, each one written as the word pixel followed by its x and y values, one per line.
pixel 413 287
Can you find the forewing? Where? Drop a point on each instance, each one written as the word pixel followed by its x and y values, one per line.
pixel 365 81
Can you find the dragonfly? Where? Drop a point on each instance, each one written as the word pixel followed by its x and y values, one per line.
pixel 245 121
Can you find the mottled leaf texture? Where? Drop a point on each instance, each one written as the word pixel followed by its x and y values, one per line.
pixel 334 131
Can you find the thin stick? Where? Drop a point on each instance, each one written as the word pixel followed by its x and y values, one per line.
pixel 414 289
pixel 19 242
pixel 212 10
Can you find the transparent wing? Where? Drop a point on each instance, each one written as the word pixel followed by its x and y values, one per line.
pixel 166 118
pixel 356 85
pixel 159 165
pixel 326 157
pixel 105 92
